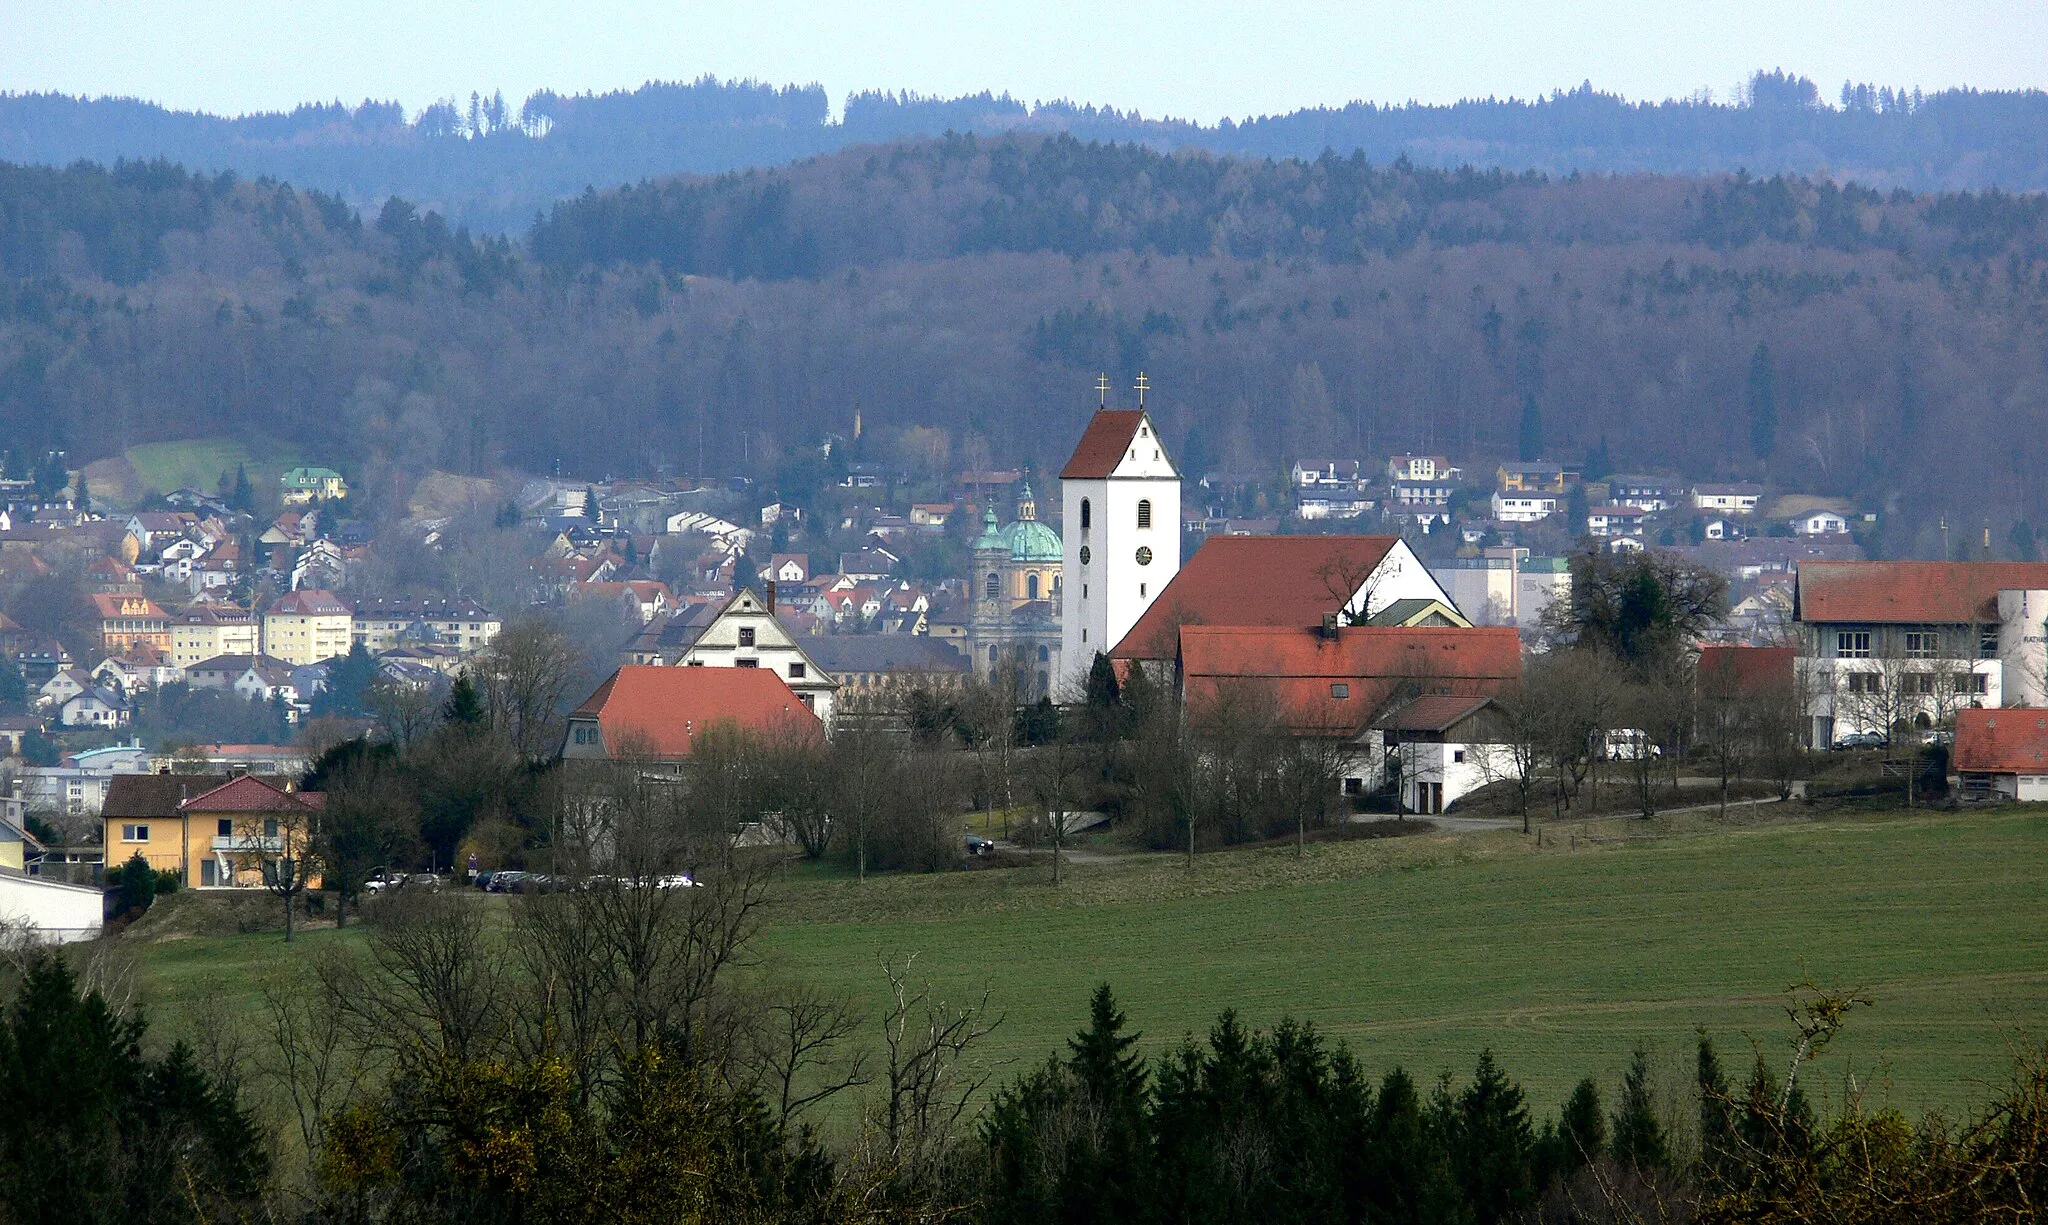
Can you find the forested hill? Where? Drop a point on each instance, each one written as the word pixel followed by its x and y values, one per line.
pixel 493 165
pixel 962 294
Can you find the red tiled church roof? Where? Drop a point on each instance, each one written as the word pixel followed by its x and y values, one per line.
pixel 1255 580
pixel 2011 741
pixel 1103 445
pixel 668 708
pixel 1923 592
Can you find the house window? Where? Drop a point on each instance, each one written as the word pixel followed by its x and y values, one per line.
pixel 226 828
pixel 1920 683
pixel 1031 587
pixel 1084 516
pixel 1922 644
pixel 1340 690
pixel 1971 683
pixel 1457 754
pixel 1987 644
pixel 746 663
pixel 1144 512
pixel 746 635
pixel 135 833
pixel 808 699
pixel 1852 644
pixel 270 827
pixel 796 672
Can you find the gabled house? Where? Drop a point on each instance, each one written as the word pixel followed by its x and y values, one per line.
pixel 63 685
pixel 212 830
pixel 1819 523
pixel 743 631
pixel 1523 507
pixel 95 706
pixel 1420 468
pixel 1535 478
pixel 1615 521
pixel 1442 747
pixel 660 714
pixel 302 485
pixel 131 620
pixel 2001 754
pixel 1740 498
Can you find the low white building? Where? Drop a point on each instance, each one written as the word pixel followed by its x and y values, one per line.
pixel 1443 747
pixel 1819 523
pixel 1740 498
pixel 51 910
pixel 1522 507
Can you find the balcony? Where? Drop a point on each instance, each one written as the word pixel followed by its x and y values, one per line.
pixel 249 844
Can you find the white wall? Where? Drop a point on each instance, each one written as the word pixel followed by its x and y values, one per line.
pixel 52 909
pixel 1102 600
pixel 1438 763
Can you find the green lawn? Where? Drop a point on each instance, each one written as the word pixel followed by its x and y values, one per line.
pixel 198 463
pixel 1423 950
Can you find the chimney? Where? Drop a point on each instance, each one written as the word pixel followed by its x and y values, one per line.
pixel 1329 625
pixel 771 595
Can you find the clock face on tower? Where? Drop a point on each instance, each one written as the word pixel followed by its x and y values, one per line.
pixel 1144 555
pixel 1085 555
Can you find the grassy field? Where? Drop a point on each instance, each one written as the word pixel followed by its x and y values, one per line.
pixel 1422 950
pixel 197 463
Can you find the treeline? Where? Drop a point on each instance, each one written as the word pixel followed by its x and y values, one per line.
pixel 492 164
pixel 975 287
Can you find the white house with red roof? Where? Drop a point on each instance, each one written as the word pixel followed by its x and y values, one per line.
pixel 2001 754
pixel 1120 524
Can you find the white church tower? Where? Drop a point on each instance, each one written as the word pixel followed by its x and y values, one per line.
pixel 1120 519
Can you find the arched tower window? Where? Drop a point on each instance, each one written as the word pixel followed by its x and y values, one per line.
pixel 1044 654
pixel 1031 587
pixel 994 586
pixel 1145 512
pixel 1084 514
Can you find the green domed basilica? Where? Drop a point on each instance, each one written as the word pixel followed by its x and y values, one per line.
pixel 1016 590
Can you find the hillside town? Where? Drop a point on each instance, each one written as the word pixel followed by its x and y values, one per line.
pixel 1388 607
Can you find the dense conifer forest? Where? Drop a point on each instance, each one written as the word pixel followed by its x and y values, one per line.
pixel 1834 338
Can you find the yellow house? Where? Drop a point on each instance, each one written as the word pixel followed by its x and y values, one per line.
pixel 302 485
pixel 207 631
pixel 307 627
pixel 213 831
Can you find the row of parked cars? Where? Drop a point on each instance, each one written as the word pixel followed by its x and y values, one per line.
pixel 512 881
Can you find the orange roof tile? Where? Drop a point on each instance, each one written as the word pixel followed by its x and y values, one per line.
pixel 1102 444
pixel 670 707
pixel 2012 741
pixel 1914 592
pixel 1299 667
pixel 1255 580
pixel 1742 671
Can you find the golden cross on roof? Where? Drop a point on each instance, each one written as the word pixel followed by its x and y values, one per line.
pixel 1102 388
pixel 1142 384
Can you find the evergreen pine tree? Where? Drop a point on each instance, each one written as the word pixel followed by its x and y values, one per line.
pixel 243 498
pixel 1530 442
pixel 463 706
pixel 1403 1172
pixel 1717 1111
pixel 1491 1144
pixel 13 685
pixel 1763 403
pixel 1102 686
pixel 1599 466
pixel 81 497
pixel 1581 1128
pixel 1638 1138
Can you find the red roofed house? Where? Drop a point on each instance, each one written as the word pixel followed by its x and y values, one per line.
pixel 1910 643
pixel 214 831
pixel 1291 582
pixel 662 711
pixel 2001 754
pixel 1344 682
pixel 1120 529
pixel 131 620
pixel 1447 746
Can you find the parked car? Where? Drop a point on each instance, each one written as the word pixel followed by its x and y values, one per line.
pixel 1860 740
pixel 505 882
pixel 423 880
pixel 677 880
pixel 978 845
pixel 383 879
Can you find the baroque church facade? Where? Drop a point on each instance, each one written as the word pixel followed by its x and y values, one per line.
pixel 1017 588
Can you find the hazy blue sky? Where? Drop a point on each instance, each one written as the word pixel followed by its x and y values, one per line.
pixel 1194 58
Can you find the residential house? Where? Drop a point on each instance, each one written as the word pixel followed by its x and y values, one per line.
pixel 131 620
pixel 930 514
pixel 1651 493
pixel 212 830
pixel 1332 502
pixel 13 730
pixel 1615 521
pixel 152 531
pixel 112 576
pixel 134 671
pixel 1504 585
pixel 307 626
pixel 658 714
pixel 1740 498
pixel 1325 473
pixel 205 631
pixel 1819 523
pixel 787 568
pixel 868 564
pixel 741 632
pixel 1411 494
pixel 1523 507
pixel 226 671
pixel 269 680
pixel 1420 468
pixel 302 485
pixel 382 624
pixel 97 706
pixel 2001 754
pixel 1894 644
pixel 63 685
pixel 1534 478
pixel 320 566
pixel 41 660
